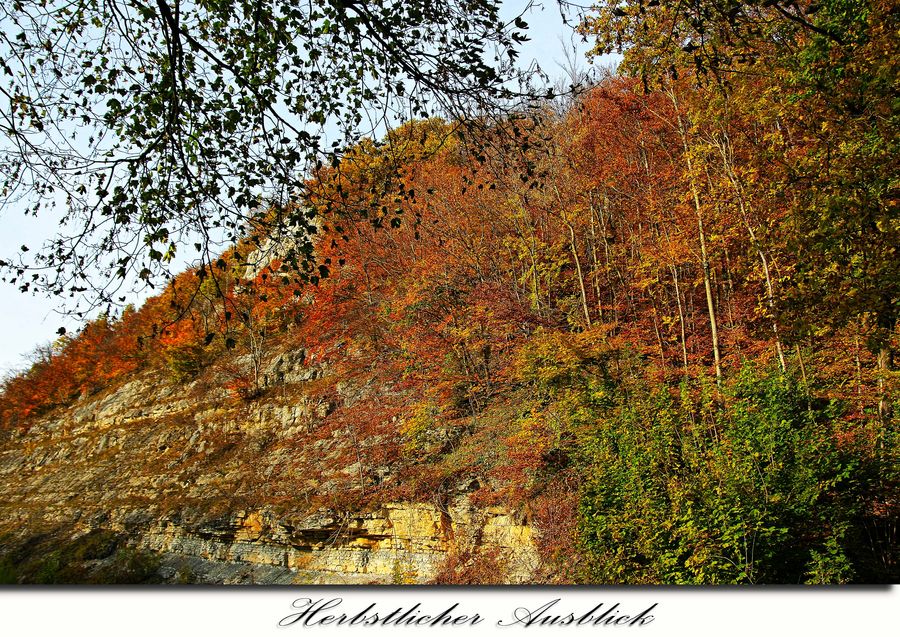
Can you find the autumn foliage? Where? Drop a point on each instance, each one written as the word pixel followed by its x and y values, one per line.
pixel 605 316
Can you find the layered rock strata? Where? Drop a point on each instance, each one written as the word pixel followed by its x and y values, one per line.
pixel 224 488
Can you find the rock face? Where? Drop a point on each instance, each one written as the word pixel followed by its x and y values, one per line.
pixel 399 543
pixel 233 491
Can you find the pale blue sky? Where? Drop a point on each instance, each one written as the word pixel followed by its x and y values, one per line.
pixel 28 321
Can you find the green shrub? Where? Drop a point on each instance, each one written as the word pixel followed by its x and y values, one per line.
pixel 98 557
pixel 687 490
pixel 184 362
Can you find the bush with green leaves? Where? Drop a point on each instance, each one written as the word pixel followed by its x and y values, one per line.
pixel 749 487
pixel 97 557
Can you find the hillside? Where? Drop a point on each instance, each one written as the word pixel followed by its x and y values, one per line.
pixel 593 348
pixel 186 472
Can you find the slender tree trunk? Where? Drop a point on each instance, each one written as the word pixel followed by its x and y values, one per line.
pixel 885 364
pixel 529 243
pixel 574 248
pixel 609 267
pixel 673 268
pixel 584 301
pixel 707 282
pixel 730 286
pixel 704 255
pixel 595 262
pixel 728 163
pixel 859 379
pixel 684 352
pixel 515 275
pixel 662 350
pixel 802 368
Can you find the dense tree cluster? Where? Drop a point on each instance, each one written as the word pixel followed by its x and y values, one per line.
pixel 662 323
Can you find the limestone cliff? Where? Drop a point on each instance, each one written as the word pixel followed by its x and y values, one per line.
pixel 231 491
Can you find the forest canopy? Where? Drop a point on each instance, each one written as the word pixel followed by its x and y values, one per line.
pixel 659 320
pixel 142 130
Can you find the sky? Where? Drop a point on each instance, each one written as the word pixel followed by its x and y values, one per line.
pixel 28 321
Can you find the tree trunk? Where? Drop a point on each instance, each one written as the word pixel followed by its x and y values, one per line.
pixel 609 267
pixel 574 248
pixel 885 364
pixel 704 255
pixel 859 379
pixel 584 301
pixel 662 350
pixel 595 262
pixel 728 163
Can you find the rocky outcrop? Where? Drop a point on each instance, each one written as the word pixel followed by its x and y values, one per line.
pixel 232 491
pixel 398 543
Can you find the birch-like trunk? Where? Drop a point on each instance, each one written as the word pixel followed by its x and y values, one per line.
pixel 704 254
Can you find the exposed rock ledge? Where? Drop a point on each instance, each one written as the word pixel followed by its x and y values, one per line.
pixel 228 489
pixel 400 543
